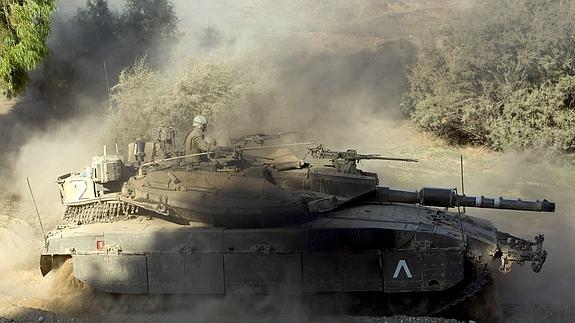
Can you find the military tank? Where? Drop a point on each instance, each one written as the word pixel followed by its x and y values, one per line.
pixel 246 222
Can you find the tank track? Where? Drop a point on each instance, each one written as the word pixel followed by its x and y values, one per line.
pixel 440 303
pixel 100 212
pixel 469 290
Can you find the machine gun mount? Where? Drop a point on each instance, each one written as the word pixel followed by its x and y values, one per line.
pixel 346 161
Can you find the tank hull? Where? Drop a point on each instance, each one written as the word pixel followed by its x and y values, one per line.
pixel 380 251
pixel 366 248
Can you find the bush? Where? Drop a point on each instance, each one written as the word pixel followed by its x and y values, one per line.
pixel 499 75
pixel 145 99
pixel 541 118
pixel 24 27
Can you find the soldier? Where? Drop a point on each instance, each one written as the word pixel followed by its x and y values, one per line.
pixel 195 142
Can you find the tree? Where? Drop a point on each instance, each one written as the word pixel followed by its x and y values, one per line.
pixel 24 27
pixel 146 24
pixel 97 23
pixel 90 48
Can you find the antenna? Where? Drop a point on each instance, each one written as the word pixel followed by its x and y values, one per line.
pixel 36 207
pixel 460 218
pixel 462 187
pixel 459 201
pixel 107 85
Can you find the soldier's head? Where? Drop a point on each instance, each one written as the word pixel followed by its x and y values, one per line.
pixel 201 122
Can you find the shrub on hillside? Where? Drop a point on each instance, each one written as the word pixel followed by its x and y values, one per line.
pixel 501 75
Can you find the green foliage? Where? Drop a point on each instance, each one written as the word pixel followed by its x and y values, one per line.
pixel 146 99
pixel 499 75
pixel 97 22
pixel 149 20
pixel 542 118
pixel 135 31
pixel 24 27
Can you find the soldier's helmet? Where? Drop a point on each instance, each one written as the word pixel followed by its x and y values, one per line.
pixel 200 121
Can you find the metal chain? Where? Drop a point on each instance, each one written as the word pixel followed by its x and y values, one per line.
pixel 103 212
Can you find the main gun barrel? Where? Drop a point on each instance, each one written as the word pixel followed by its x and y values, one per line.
pixel 378 157
pixel 445 197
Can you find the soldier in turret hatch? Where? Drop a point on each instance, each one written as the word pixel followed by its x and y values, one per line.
pixel 195 142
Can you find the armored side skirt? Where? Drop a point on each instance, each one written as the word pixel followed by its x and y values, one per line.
pixel 212 273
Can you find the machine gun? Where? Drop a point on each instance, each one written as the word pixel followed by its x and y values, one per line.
pixel 257 139
pixel 346 161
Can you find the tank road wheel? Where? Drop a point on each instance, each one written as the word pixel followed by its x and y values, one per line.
pixel 413 304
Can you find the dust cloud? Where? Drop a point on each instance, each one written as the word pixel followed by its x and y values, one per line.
pixel 42 160
pixel 528 176
pixel 530 297
pixel 524 296
pixel 334 72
